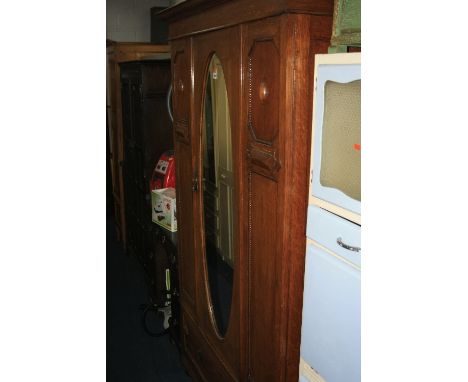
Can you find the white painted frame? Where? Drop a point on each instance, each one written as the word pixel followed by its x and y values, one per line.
pixel 339 67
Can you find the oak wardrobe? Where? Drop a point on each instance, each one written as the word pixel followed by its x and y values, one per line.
pixel 242 76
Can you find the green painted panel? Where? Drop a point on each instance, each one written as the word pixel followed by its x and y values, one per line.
pixel 347 23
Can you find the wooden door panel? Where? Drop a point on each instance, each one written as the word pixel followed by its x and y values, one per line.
pixel 181 88
pixel 226 44
pixel 264 106
pixel 181 97
pixel 264 276
pixel 187 265
pixel 208 365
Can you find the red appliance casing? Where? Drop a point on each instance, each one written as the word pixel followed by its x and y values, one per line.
pixel 164 172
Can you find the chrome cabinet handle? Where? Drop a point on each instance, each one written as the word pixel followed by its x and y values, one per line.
pixel 346 246
pixel 169 102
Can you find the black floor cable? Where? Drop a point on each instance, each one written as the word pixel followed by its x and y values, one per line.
pixel 170 293
pixel 151 308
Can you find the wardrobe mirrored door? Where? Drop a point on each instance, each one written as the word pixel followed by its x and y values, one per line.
pixel 218 189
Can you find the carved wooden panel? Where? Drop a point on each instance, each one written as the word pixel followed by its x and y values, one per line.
pixel 181 130
pixel 263 89
pixel 181 91
pixel 264 97
pixel 263 74
pixel 263 161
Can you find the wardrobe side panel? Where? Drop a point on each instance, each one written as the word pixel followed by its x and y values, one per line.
pixel 181 98
pixel 263 92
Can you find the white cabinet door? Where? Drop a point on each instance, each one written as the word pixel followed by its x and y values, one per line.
pixel 336 141
pixel 331 321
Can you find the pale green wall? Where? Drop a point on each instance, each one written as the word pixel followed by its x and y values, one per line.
pixel 129 20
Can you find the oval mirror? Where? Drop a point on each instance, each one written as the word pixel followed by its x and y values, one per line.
pixel 218 191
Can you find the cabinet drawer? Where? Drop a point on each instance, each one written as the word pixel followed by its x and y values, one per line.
pixel 327 228
pixel 208 364
pixel 331 319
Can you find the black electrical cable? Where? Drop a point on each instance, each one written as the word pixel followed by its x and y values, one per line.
pixel 146 309
pixel 169 250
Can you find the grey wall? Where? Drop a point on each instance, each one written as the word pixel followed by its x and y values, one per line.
pixel 129 20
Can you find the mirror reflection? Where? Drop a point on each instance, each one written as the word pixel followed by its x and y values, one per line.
pixel 218 187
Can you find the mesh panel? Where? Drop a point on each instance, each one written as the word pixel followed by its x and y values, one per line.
pixel 341 138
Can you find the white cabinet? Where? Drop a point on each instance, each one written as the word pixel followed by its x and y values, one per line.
pixel 331 318
pixel 336 135
pixel 336 234
pixel 331 326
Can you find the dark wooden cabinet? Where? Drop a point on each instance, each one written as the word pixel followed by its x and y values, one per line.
pixel 267 53
pixel 117 53
pixel 147 133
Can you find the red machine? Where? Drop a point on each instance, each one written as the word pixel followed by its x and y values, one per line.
pixel 164 172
